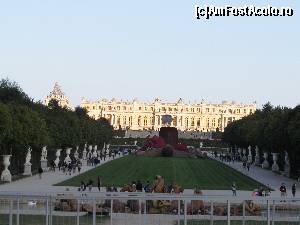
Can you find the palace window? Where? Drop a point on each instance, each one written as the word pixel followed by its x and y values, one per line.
pixel 207 110
pixel 118 121
pixel 124 120
pixel 151 121
pixel 186 122
pixel 214 110
pixel 192 122
pixel 207 122
pixel 214 122
pixel 109 107
pixel 251 111
pixel 170 109
pixel 139 120
pixel 145 121
pixel 198 122
pixel 245 111
pixel 145 108
pixel 140 108
pixel 124 107
pixel 219 123
pixel 187 109
pixel 175 121
pixel 118 107
pixel 94 107
pixel 192 109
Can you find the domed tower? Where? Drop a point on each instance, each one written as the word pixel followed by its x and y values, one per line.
pixel 58 95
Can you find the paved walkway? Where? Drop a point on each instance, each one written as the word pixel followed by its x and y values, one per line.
pixel 34 185
pixel 266 177
pixel 45 185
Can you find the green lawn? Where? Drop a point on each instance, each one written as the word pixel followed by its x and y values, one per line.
pixel 205 173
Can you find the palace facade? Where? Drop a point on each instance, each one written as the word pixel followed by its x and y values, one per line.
pixel 136 115
pixel 59 95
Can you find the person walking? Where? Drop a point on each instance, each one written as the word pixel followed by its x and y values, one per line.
pixel 40 170
pixel 233 188
pixel 282 190
pixel 99 183
pixel 294 190
pixel 248 166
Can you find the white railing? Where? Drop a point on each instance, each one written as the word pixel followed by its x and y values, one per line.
pixel 140 208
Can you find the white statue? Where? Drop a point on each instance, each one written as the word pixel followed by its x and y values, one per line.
pixel 44 153
pixel 249 155
pixel 107 146
pixel 68 159
pixel 28 156
pixel 257 158
pixel 57 154
pixel 76 154
pixel 135 143
pixel 265 163
pixel 6 175
pixel 275 166
pixel 287 166
pixel 104 147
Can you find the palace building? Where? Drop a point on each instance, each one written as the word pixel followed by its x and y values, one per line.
pixel 136 115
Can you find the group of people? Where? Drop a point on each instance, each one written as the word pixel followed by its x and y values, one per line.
pixel 68 167
pixel 283 190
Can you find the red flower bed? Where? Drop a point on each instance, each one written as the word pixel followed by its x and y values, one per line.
pixel 154 142
pixel 181 147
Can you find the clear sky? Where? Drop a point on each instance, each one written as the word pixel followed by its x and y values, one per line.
pixel 148 49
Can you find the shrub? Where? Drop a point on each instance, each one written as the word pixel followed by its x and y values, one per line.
pixel 167 151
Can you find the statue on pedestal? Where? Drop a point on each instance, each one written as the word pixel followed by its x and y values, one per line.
pixel 275 166
pixel 90 151
pixel 244 158
pixel 265 163
pixel 68 159
pixel 44 161
pixel 27 164
pixel 76 154
pixel 57 154
pixel 257 158
pixel 95 155
pixel 6 175
pixel 84 155
pixel 249 155
pixel 287 166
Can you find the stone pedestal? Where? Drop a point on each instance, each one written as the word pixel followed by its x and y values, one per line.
pixel 44 164
pixel 84 162
pixel 27 169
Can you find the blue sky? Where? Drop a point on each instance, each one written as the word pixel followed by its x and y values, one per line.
pixel 128 49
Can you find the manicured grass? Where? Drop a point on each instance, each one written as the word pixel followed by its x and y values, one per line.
pixel 207 174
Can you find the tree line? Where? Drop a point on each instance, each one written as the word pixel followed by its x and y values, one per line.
pixel 272 129
pixel 24 123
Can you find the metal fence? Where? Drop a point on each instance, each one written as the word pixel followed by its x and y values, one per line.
pixel 139 208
